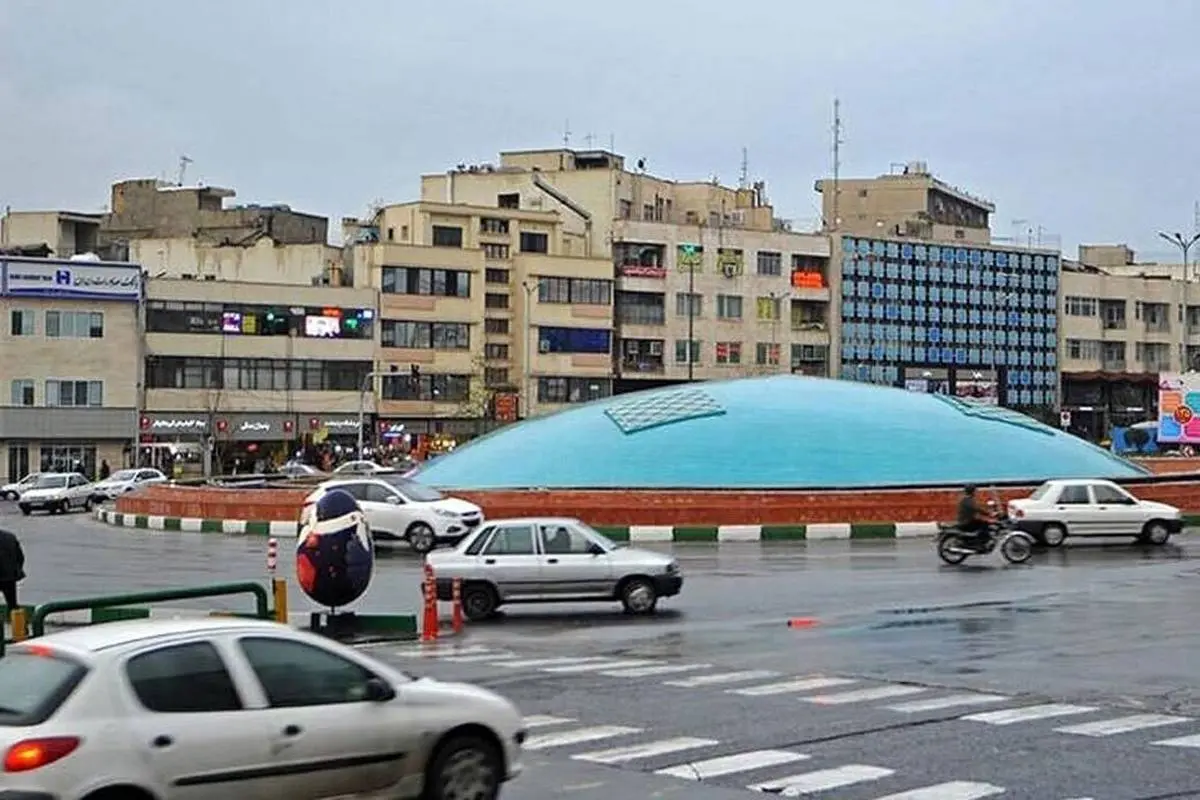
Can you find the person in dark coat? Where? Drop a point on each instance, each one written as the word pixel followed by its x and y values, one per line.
pixel 12 567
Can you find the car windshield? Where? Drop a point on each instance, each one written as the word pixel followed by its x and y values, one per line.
pixel 1040 492
pixel 416 492
pixel 123 475
pixel 33 685
pixel 608 543
pixel 50 482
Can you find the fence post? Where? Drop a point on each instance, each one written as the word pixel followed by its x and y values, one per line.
pixel 272 553
pixel 279 589
pixel 456 609
pixel 20 625
pixel 429 625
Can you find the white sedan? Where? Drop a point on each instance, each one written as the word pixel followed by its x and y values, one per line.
pixel 1062 508
pixel 12 491
pixel 56 493
pixel 123 481
pixel 219 709
pixel 398 509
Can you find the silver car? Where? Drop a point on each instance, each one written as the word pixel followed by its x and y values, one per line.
pixel 551 560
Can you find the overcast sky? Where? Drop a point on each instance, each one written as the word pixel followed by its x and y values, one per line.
pixel 1078 115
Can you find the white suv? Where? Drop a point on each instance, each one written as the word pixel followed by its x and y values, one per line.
pixel 398 509
pixel 1058 509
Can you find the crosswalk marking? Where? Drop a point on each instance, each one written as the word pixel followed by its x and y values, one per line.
pixel 1010 716
pixel 800 685
pixel 1182 741
pixel 950 701
pixel 544 720
pixel 570 668
pixel 723 677
pixel 954 790
pixel 547 662
pixel 823 780
pixel 646 672
pixel 1128 724
pixel 619 755
pixel 577 736
pixel 729 765
pixel 474 658
pixel 862 695
pixel 435 652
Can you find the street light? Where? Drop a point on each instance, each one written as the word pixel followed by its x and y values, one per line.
pixel 526 366
pixel 368 386
pixel 998 328
pixel 691 251
pixel 1185 246
pixel 777 299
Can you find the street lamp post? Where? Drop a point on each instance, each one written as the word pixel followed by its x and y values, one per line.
pixel 777 299
pixel 1185 247
pixel 998 328
pixel 367 386
pixel 527 331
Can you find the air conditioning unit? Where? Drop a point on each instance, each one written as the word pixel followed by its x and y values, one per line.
pixel 544 346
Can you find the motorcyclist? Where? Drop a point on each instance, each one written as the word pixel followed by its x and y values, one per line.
pixel 973 518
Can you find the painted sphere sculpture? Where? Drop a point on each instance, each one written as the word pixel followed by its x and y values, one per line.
pixel 335 556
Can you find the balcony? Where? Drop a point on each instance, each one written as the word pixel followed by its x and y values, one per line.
pixel 1112 364
pixel 1114 324
pixel 643 365
pixel 809 324
pixel 1158 326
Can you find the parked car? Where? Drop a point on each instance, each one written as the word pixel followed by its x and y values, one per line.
pixel 552 560
pixel 56 493
pixel 398 509
pixel 1062 508
pixel 209 708
pixel 125 480
pixel 360 468
pixel 12 491
pixel 295 469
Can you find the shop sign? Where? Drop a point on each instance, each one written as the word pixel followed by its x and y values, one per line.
pixel 70 279
pixel 334 425
pixel 642 271
pixel 169 425
pixel 391 430
pixel 254 427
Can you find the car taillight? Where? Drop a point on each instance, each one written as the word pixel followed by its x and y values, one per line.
pixel 1013 511
pixel 36 753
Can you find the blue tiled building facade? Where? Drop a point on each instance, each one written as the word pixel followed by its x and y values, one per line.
pixel 953 316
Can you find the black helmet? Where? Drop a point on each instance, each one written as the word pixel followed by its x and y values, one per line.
pixel 969 489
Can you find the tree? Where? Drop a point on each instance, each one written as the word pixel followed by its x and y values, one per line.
pixel 477 404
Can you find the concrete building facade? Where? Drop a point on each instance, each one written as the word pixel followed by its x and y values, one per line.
pixel 63 233
pixel 68 364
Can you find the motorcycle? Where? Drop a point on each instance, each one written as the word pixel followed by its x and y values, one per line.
pixel 955 547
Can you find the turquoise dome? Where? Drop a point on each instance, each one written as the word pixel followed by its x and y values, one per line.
pixel 782 431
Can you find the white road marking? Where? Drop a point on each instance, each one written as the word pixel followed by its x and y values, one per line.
pixel 822 780
pixel 1010 716
pixel 577 736
pixel 723 677
pixel 547 662
pixel 955 790
pixel 862 695
pixel 1133 722
pixel 478 657
pixel 786 687
pixel 619 755
pixel 1182 741
pixel 666 669
pixel 728 765
pixel 442 652
pixel 950 701
pixel 543 720
pixel 596 667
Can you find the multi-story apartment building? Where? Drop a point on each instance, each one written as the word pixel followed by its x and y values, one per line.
pixel 68 364
pixel 486 313
pixel 928 304
pixel 62 234
pixel 1122 324
pixel 709 283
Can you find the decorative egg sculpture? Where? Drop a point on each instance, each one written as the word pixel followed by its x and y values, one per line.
pixel 335 556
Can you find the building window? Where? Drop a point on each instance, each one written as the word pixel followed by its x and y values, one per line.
pixel 766 353
pixel 809 355
pixel 427 388
pixel 79 458
pixel 21 322
pixel 1080 306
pixel 770 263
pixel 496 301
pixel 689 305
pixel 237 319
pixel 641 308
pixel 493 275
pixel 768 308
pixel 495 352
pixel 255 374
pixel 574 340
pixel 681 351
pixel 583 291
pixel 75 393
pixel 572 390
pixel 447 236
pixel 729 352
pixel 534 242
pixel 495 252
pixel 420 280
pixel 426 335
pixel 495 376
pixel 1083 349
pixel 729 306
pixel 493 225
pixel 512 200
pixel 74 324
pixel 22 392
pixel 495 326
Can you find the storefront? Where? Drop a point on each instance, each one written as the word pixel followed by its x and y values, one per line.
pixel 340 428
pixel 253 442
pixel 172 441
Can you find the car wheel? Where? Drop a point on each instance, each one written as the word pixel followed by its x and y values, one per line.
pixel 1155 533
pixel 10 495
pixel 465 768
pixel 420 536
pixel 1053 535
pixel 26 510
pixel 479 601
pixel 87 504
pixel 639 597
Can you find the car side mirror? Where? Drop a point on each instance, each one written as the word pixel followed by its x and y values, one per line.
pixel 595 549
pixel 380 691
pixel 393 500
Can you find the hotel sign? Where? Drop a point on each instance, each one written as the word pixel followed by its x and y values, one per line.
pixel 79 280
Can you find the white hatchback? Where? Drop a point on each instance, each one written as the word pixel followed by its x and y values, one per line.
pixel 1062 508
pixel 219 709
pixel 398 509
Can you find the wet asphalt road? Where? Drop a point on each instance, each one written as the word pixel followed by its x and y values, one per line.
pixel 869 701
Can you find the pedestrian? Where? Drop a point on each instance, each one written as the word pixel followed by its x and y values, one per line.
pixel 105 470
pixel 12 567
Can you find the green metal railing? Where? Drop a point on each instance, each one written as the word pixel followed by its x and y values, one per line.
pixel 38 621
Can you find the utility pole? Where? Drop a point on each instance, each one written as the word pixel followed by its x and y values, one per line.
pixel 837 164
pixel 526 364
pixel 744 175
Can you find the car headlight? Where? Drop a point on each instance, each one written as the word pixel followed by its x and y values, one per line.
pixel 441 512
pixel 672 568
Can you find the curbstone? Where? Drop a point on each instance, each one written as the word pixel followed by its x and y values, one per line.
pixel 228 527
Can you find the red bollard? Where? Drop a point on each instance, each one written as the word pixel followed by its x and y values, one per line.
pixel 429 626
pixel 457 610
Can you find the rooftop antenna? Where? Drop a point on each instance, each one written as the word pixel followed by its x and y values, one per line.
pixel 587 141
pixel 612 146
pixel 183 165
pixel 837 161
pixel 567 133
pixel 1196 217
pixel 744 176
